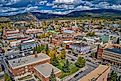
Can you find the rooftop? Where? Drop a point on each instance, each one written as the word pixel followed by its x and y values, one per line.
pixel 46 69
pixel 95 73
pixel 23 61
pixel 68 31
pixel 79 44
pixel 114 50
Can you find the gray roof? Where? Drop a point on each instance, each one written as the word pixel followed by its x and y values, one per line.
pixel 46 69
pixel 114 50
pixel 19 62
pixel 68 31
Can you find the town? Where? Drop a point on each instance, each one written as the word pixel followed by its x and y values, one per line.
pixel 74 49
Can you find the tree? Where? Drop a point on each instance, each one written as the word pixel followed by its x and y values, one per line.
pixel 66 68
pixel 113 76
pixel 80 62
pixel 7 77
pixel 39 49
pixel 53 52
pixel 98 46
pixel 91 34
pixel 63 54
pixel 54 61
pixel 119 78
pixel 20 47
pixel 93 55
pixel 52 76
pixel 118 41
pixel 47 49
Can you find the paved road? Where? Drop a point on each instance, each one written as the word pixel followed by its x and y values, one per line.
pixel 90 66
pixel 82 73
pixel 6 69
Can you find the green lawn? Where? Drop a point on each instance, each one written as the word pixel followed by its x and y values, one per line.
pixel 72 67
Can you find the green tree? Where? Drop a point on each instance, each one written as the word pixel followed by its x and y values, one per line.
pixel 52 76
pixel 63 54
pixel 80 62
pixel 47 49
pixel 19 47
pixel 66 68
pixel 39 49
pixel 119 78
pixel 7 77
pixel 93 55
pixel 113 76
pixel 54 61
pixel 53 52
pixel 118 41
pixel 91 34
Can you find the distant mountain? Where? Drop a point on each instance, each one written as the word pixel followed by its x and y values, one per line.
pixel 23 17
pixel 35 16
pixel 90 13
pixel 14 7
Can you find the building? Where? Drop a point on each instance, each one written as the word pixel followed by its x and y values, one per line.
pixel 112 54
pixel 99 53
pixel 23 65
pixel 12 34
pixel 28 44
pixel 99 74
pixel 57 40
pixel 33 31
pixel 43 71
pixel 80 47
pixel 2 78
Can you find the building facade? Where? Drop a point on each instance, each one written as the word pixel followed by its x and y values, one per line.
pixel 99 74
pixel 80 47
pixel 43 71
pixel 112 54
pixel 23 65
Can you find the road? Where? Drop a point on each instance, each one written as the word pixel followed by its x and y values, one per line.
pixel 90 66
pixel 81 74
pixel 6 69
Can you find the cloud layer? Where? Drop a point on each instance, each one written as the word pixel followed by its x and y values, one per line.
pixel 12 7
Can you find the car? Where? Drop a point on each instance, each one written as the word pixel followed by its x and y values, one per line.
pixel 76 75
pixel 72 59
pixel 76 55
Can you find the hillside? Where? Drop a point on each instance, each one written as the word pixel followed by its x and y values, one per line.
pixel 34 16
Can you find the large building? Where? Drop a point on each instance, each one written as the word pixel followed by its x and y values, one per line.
pixel 43 71
pixel 112 54
pixel 23 65
pixel 99 74
pixel 12 34
pixel 80 47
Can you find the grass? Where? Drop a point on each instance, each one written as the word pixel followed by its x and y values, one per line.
pixel 72 67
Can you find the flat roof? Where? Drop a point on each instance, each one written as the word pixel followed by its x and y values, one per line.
pixel 95 73
pixel 23 61
pixel 79 44
pixel 46 69
pixel 68 31
pixel 114 50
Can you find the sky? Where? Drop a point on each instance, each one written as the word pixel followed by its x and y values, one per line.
pixel 12 7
